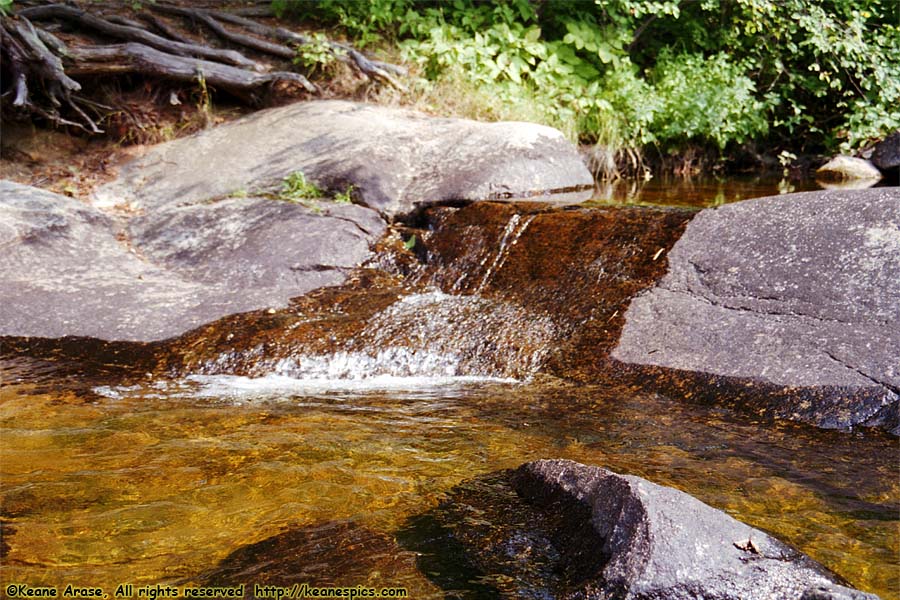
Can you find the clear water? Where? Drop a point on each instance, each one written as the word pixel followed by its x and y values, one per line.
pixel 158 482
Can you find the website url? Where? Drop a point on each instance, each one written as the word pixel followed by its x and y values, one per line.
pixel 303 590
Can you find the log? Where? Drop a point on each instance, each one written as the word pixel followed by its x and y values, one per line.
pixel 134 34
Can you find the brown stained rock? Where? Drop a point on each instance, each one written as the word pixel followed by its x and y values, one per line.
pixel 579 267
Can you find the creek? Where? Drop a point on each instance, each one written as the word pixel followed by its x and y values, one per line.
pixel 160 478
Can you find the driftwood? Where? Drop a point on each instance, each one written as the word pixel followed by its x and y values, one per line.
pixel 41 71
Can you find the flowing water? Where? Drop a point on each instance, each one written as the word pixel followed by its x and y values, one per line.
pixel 160 481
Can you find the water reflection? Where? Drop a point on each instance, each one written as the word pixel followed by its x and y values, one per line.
pixel 701 192
pixel 160 482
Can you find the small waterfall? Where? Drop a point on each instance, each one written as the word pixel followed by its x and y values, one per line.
pixel 513 230
pixel 423 339
pixel 510 238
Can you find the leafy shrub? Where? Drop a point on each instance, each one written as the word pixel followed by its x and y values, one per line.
pixel 705 99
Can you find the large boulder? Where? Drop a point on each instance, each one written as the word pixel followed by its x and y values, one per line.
pixel 395 159
pixel 556 529
pixel 68 269
pixel 797 295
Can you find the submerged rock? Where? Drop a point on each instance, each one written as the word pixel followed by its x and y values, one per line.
pixel 790 302
pixel 556 529
pixel 333 553
pixel 395 159
pixel 849 167
pixel 68 269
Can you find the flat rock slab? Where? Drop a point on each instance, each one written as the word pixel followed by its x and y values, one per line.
pixel 395 159
pixel 798 292
pixel 557 529
pixel 68 269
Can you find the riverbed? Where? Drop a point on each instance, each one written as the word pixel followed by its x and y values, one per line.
pixel 156 482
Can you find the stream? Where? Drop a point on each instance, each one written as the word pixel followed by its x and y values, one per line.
pixel 159 481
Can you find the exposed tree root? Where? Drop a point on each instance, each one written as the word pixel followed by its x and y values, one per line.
pixel 41 72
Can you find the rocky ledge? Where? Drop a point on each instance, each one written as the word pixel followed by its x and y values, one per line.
pixel 788 303
pixel 396 160
pixel 556 529
pixel 69 269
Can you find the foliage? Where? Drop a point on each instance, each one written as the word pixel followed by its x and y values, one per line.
pixel 5 7
pixel 297 188
pixel 801 74
pixel 345 197
pixel 317 54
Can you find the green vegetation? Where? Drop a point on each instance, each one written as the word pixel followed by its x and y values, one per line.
pixel 793 75
pixel 297 188
pixel 345 197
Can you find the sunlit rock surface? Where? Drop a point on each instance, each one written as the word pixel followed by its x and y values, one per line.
pixel 68 269
pixel 557 529
pixel 395 159
pixel 791 301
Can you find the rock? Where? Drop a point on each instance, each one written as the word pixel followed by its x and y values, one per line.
pixel 848 167
pixel 333 553
pixel 886 156
pixel 834 592
pixel 68 269
pixel 795 299
pixel 556 529
pixel 395 159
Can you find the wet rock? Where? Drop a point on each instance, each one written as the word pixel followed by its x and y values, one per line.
pixel 334 553
pixel 69 269
pixel 579 267
pixel 791 303
pixel 556 529
pixel 848 167
pixel 394 159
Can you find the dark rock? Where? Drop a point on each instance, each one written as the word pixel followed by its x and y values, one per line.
pixel 796 296
pixel 558 529
pixel 334 553
pixel 886 156
pixel 68 269
pixel 395 159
